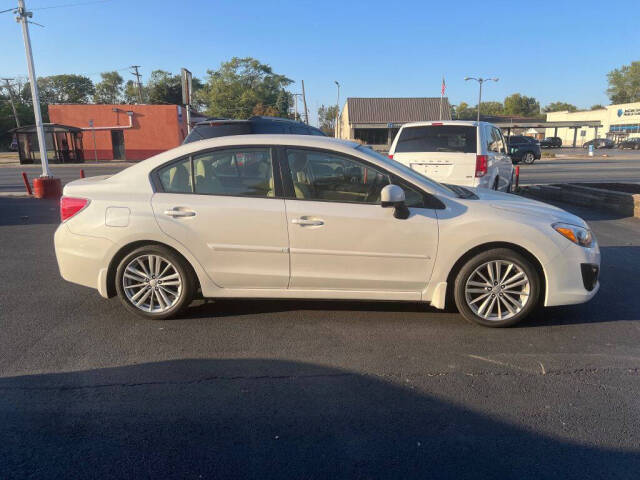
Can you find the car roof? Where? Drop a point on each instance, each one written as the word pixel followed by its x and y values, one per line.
pixel 312 141
pixel 469 123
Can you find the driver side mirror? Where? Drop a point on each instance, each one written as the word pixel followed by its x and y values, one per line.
pixel 392 196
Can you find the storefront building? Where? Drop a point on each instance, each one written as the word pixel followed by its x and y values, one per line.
pixel 123 132
pixel 619 122
pixel 376 121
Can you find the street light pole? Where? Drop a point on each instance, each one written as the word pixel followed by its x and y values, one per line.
pixel 480 81
pixel 337 132
pixel 23 15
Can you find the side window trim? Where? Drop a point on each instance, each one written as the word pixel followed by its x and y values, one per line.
pixel 277 172
pixel 288 178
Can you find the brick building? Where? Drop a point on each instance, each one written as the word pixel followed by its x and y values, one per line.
pixel 123 132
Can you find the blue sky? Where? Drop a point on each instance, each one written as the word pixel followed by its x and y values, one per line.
pixel 554 51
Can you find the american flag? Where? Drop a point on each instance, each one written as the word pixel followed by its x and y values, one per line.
pixel 443 87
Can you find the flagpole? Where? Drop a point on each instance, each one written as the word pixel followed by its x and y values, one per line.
pixel 441 96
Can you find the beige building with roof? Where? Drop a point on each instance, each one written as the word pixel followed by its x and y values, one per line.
pixel 619 122
pixel 376 121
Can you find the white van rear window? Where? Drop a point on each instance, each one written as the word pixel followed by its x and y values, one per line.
pixel 437 138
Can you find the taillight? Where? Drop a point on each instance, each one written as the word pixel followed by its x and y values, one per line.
pixel 482 165
pixel 390 156
pixel 69 206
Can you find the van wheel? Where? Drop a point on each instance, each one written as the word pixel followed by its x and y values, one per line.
pixel 528 158
pixel 154 282
pixel 497 288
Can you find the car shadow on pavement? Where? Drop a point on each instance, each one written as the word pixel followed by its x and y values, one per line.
pixel 257 418
pixel 28 211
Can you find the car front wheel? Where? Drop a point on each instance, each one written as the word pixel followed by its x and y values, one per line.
pixel 154 282
pixel 497 288
pixel 528 158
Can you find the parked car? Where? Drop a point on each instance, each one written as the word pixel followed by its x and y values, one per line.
pixel 289 216
pixel 599 143
pixel 219 127
pixel 551 142
pixel 523 149
pixel 458 152
pixel 632 143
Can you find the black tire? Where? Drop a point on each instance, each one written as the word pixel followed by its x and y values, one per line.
pixel 505 255
pixel 528 158
pixel 186 277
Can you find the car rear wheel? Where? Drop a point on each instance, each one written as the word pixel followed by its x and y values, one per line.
pixel 528 158
pixel 154 282
pixel 497 288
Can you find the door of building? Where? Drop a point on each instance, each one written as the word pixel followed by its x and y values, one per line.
pixel 117 144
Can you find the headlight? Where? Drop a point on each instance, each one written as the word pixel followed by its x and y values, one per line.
pixel 578 235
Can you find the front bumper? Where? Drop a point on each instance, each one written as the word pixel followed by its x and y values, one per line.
pixel 573 276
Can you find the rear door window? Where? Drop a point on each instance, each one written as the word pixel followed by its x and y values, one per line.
pixel 437 138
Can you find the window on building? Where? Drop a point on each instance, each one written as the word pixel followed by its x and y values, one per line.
pixel 371 136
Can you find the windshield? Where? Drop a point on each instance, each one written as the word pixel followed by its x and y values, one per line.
pixel 437 138
pixel 409 172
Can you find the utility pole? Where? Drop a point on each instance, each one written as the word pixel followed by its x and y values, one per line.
pixel 137 75
pixel 295 104
pixel 22 17
pixel 9 88
pixel 304 101
pixel 480 81
pixel 337 132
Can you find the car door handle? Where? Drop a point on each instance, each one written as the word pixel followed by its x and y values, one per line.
pixel 180 213
pixel 305 222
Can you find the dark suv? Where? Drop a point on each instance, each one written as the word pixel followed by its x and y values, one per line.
pixel 523 149
pixel 551 142
pixel 632 143
pixel 220 127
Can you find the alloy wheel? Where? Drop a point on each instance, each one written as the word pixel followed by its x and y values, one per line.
pixel 152 283
pixel 497 290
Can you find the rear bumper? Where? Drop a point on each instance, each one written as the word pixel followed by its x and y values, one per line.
pixel 574 276
pixel 81 259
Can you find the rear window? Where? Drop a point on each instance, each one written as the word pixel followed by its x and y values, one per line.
pixel 439 138
pixel 204 131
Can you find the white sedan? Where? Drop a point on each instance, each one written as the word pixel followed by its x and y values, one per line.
pixel 288 216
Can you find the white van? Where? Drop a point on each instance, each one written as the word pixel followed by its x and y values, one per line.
pixel 472 154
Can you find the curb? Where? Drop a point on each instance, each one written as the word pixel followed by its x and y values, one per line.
pixel 622 203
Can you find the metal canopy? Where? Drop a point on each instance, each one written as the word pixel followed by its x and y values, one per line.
pixel 584 123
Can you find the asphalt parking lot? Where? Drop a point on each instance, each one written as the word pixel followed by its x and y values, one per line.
pixel 305 389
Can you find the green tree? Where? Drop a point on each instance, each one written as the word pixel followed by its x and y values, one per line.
pixel 560 107
pixel 66 88
pixel 492 108
pixel 109 89
pixel 327 119
pixel 164 88
pixel 130 92
pixel 241 84
pixel 597 106
pixel 624 84
pixel 521 105
pixel 465 112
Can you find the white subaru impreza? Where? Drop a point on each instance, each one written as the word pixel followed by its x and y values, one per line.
pixel 305 217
